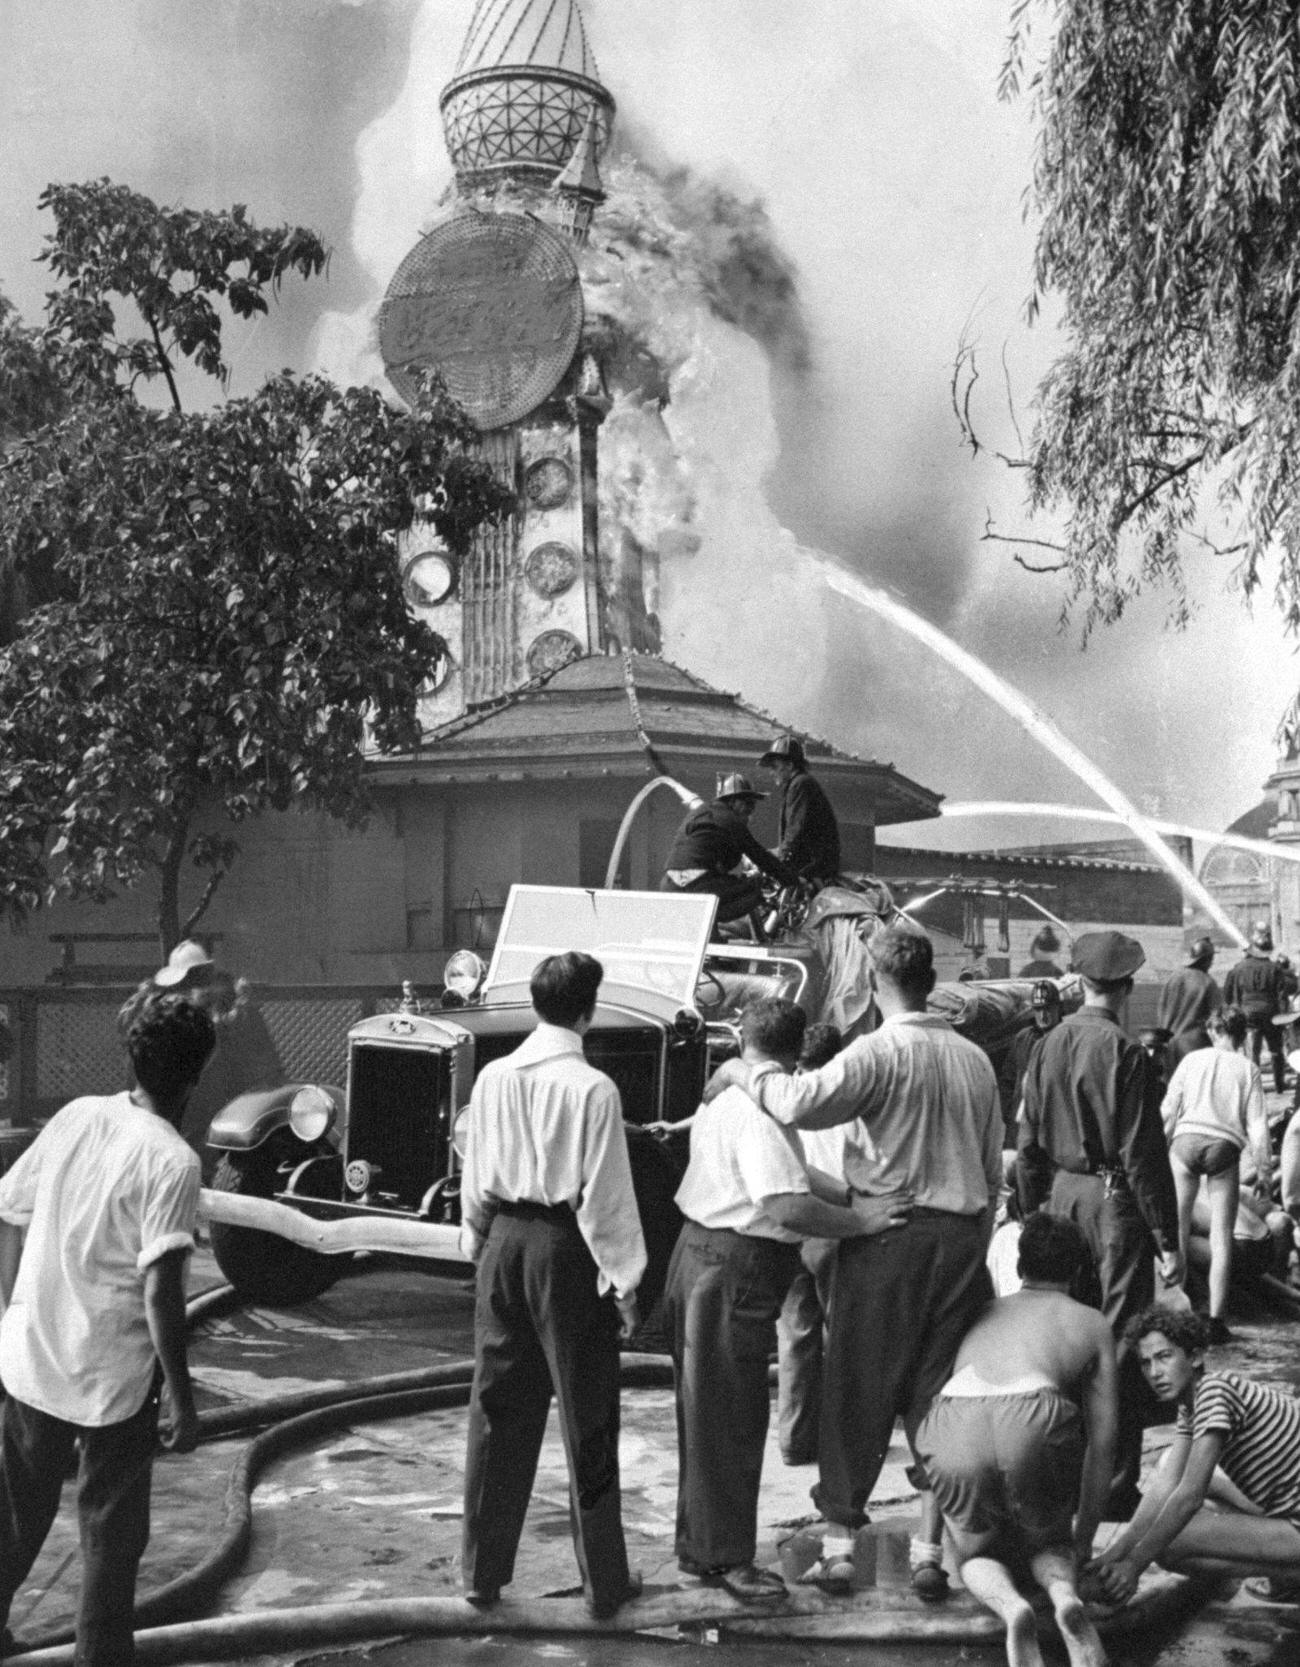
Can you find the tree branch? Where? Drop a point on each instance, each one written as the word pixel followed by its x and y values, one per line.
pixel 163 360
pixel 201 907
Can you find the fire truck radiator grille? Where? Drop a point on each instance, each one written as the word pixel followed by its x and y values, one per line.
pixel 399 1106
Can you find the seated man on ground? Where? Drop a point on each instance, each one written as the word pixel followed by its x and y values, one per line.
pixel 1225 1422
pixel 1262 1238
pixel 748 1198
pixel 1019 1443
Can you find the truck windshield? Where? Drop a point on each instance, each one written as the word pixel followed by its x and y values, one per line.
pixel 645 940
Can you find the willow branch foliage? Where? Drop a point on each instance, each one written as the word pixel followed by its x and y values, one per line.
pixel 224 623
pixel 1167 186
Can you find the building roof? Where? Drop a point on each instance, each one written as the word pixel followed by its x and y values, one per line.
pixel 952 862
pixel 548 34
pixel 632 715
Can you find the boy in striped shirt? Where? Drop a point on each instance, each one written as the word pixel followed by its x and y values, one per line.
pixel 1227 1427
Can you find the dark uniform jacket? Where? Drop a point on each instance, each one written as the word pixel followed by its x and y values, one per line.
pixel 1187 1000
pixel 715 838
pixel 1256 984
pixel 809 836
pixel 1092 1105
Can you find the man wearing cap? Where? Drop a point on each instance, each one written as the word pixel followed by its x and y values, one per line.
pixel 1187 1000
pixel 1259 986
pixel 808 836
pixel 1092 1148
pixel 245 1057
pixel 710 844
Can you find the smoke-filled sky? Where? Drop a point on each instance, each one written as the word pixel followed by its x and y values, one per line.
pixel 894 182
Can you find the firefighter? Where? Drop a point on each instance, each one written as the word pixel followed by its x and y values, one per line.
pixel 808 837
pixel 710 844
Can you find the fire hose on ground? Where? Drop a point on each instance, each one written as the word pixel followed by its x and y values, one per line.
pixel 168 1633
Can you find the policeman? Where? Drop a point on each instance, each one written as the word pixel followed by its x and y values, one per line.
pixel 1092 1142
pixel 710 844
pixel 808 835
pixel 1187 1000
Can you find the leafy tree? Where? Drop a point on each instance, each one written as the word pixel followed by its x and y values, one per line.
pixel 225 623
pixel 1167 188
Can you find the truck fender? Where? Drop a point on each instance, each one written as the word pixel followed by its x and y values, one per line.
pixel 249 1120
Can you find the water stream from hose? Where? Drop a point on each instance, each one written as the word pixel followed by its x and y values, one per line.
pixel 1080 813
pixel 1035 723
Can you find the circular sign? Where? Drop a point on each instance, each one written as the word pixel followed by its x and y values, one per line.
pixel 492 302
pixel 552 650
pixel 429 578
pixel 551 568
pixel 548 482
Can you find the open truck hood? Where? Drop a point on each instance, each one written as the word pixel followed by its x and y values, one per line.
pixel 650 943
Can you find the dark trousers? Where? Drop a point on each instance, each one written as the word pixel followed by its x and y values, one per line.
pixel 541 1328
pixel 112 1508
pixel 800 1350
pixel 1123 1257
pixel 1263 1033
pixel 723 1295
pixel 900 1305
pixel 737 894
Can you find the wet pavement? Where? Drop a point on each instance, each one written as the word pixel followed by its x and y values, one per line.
pixel 372 1510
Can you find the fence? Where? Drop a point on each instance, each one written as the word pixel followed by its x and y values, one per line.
pixel 65 1042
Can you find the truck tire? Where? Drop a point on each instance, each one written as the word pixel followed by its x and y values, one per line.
pixel 262 1266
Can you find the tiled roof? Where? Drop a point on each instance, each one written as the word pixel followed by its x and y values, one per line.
pixel 631 714
pixel 952 862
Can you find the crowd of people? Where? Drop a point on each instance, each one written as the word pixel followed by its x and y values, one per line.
pixel 845 1196
pixel 838 1205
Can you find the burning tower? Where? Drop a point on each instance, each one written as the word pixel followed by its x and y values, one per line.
pixel 492 298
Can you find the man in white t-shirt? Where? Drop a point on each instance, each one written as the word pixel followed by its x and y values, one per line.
pixel 749 1198
pixel 107 1195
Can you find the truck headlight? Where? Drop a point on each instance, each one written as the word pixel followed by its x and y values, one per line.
pixel 464 974
pixel 311 1114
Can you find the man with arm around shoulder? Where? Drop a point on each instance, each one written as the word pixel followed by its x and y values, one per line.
pixel 749 1199
pixel 107 1194
pixel 919 1105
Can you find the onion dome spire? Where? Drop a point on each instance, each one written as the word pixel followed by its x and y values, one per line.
pixel 578 186
pixel 525 91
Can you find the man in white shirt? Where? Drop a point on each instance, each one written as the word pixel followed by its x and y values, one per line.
pixel 107 1194
pixel 550 1218
pixel 749 1199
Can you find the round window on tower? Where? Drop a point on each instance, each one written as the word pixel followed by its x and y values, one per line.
pixel 429 578
pixel 548 482
pixel 552 650
pixel 551 568
pixel 441 666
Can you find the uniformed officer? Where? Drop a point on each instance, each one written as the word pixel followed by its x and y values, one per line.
pixel 710 844
pixel 1259 986
pixel 1187 1000
pixel 808 836
pixel 1091 1141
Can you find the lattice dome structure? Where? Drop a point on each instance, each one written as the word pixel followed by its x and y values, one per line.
pixel 525 87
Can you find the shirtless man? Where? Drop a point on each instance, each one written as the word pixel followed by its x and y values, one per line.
pixel 1019 1443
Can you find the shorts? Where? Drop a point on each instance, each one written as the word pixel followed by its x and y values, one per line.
pixel 1201 1155
pixel 1006 1470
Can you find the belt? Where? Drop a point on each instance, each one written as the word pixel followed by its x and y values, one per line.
pixel 527 1210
